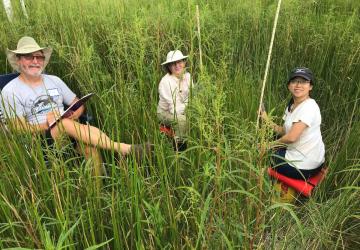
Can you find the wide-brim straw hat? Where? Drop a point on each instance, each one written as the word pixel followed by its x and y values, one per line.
pixel 27 45
pixel 174 56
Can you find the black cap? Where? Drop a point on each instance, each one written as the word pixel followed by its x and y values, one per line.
pixel 302 72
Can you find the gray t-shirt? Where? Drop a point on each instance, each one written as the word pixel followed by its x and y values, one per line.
pixel 22 100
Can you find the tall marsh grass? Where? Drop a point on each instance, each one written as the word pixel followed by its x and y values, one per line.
pixel 200 198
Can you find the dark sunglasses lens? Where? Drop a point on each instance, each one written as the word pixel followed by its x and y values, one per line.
pixel 40 58
pixel 31 57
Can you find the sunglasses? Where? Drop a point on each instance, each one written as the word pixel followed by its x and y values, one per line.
pixel 30 57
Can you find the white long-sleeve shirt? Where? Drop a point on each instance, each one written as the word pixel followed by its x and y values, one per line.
pixel 174 93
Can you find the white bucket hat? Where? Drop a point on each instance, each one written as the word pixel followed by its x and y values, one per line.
pixel 173 56
pixel 27 45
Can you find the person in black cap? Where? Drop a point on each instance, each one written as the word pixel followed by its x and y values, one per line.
pixel 304 153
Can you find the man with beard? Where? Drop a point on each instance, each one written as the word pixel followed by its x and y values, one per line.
pixel 33 101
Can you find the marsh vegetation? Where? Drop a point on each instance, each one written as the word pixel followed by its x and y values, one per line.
pixel 198 198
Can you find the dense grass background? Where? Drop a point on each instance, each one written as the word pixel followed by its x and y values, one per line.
pixel 196 199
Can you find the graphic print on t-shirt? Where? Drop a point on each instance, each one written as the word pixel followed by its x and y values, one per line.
pixel 43 104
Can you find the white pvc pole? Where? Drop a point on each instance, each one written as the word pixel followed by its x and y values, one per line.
pixel 8 9
pixel 199 36
pixel 268 62
pixel 23 7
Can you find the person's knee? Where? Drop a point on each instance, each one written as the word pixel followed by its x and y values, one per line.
pixel 181 118
pixel 181 121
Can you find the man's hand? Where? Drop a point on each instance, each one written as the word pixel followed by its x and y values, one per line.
pixel 52 116
pixel 70 114
pixel 75 115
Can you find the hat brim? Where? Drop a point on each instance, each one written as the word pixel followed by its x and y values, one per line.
pixel 305 76
pixel 174 60
pixel 12 58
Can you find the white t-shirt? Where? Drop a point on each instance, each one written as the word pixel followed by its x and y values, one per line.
pixel 174 94
pixel 308 152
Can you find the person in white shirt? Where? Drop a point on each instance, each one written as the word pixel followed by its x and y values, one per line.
pixel 174 90
pixel 304 154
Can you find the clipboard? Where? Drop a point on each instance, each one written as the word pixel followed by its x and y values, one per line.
pixel 72 109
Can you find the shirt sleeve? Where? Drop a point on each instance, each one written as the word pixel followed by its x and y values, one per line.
pixel 11 105
pixel 166 95
pixel 67 93
pixel 307 114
